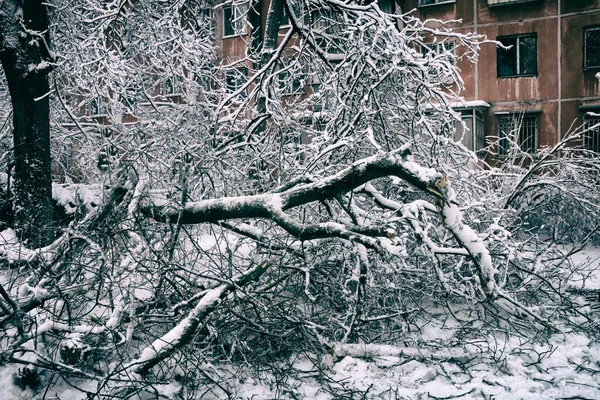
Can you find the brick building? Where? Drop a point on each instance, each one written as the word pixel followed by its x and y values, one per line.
pixel 539 87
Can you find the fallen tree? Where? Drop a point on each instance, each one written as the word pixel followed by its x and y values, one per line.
pixel 243 224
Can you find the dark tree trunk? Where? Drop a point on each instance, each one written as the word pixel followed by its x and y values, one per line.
pixel 25 58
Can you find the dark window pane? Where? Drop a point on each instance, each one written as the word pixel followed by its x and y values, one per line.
pixel 236 78
pixel 528 55
pixel 285 19
pixel 387 6
pixel 592 48
pixel 507 59
pixel 504 131
pixel 228 29
pixel 427 2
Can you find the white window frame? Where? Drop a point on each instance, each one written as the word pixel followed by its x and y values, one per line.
pixel 239 14
pixel 472 138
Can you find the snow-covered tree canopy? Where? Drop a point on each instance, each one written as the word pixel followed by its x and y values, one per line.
pixel 308 197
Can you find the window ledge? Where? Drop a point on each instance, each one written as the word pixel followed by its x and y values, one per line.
pixel 518 76
pixel 518 112
pixel 493 4
pixel 437 4
pixel 235 36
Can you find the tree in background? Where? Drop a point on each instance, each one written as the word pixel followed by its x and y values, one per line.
pixel 304 199
pixel 27 59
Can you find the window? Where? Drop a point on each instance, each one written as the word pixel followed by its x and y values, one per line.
pixel 174 85
pixel 473 137
pixel 234 20
pixel 432 2
pixel 321 22
pixel 520 59
pixel 129 99
pixel 98 107
pixel 445 48
pixel 285 19
pixel 291 79
pixel 387 6
pixel 591 137
pixel 236 78
pixel 591 48
pixel 517 130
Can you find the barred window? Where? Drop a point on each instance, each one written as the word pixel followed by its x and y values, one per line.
pixel 591 137
pixel 591 48
pixel 520 59
pixel 520 129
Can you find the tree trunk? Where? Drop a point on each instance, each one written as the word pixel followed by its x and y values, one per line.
pixel 25 58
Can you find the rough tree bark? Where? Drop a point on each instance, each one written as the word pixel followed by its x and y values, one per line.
pixel 26 59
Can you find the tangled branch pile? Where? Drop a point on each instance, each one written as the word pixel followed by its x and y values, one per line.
pixel 240 225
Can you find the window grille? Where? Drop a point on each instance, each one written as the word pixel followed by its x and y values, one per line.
pixel 591 137
pixel 234 20
pixel 520 58
pixel 520 129
pixel 591 48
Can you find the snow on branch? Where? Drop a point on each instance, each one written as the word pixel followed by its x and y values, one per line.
pixel 184 331
pixel 262 206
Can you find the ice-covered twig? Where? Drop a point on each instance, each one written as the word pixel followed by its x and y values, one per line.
pixel 182 333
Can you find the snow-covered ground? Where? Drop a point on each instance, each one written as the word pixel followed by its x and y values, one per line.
pixel 567 366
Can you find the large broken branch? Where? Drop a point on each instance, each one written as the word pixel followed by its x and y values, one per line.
pixel 262 206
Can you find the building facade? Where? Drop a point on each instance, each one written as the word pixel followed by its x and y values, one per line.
pixel 534 91
pixel 545 84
